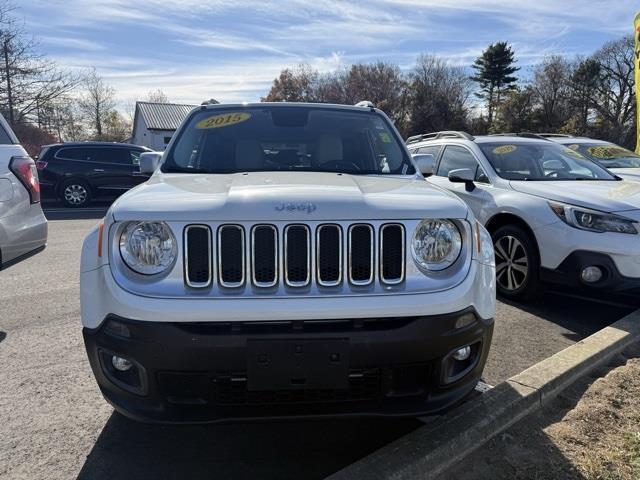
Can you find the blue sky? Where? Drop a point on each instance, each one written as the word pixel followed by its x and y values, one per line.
pixel 198 49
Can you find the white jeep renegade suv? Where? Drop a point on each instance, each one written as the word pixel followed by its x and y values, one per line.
pixel 286 260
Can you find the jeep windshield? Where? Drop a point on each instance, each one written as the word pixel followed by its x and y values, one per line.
pixel 287 138
pixel 608 154
pixel 541 161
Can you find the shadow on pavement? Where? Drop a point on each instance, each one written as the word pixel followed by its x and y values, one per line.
pixel 56 211
pixel 2 336
pixel 127 449
pixel 581 316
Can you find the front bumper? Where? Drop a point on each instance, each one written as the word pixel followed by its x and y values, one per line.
pixel 205 372
pixel 568 274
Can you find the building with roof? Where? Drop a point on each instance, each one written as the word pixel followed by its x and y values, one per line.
pixel 155 123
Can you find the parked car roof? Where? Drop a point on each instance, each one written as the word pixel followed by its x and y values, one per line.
pixel 94 144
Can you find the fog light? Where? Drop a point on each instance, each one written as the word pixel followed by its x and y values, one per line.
pixel 121 364
pixel 591 274
pixel 462 353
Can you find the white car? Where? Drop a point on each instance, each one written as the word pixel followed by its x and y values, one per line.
pixel 554 216
pixel 23 226
pixel 286 260
pixel 619 160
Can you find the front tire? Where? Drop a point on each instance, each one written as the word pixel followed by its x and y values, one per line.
pixel 517 263
pixel 75 194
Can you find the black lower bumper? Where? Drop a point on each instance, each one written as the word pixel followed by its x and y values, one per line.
pixel 568 274
pixel 207 372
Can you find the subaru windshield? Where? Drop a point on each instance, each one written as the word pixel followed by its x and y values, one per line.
pixel 608 154
pixel 288 138
pixel 542 160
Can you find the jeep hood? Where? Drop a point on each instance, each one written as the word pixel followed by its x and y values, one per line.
pixel 605 196
pixel 287 196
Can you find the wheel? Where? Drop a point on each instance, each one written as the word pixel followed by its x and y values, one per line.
pixel 75 193
pixel 517 263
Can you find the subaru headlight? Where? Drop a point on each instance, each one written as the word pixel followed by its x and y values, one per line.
pixel 436 244
pixel 148 248
pixel 593 221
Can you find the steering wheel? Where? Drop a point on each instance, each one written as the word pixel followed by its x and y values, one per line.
pixel 553 174
pixel 340 165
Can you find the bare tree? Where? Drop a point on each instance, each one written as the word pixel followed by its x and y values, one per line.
pixel 440 95
pixel 97 101
pixel 294 85
pixel 28 81
pixel 156 96
pixel 615 92
pixel 552 88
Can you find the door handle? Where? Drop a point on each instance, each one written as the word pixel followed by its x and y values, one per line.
pixel 98 169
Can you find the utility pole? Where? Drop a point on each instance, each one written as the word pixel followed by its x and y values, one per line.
pixel 7 73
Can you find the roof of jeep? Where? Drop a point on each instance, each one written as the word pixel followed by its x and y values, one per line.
pixel 331 106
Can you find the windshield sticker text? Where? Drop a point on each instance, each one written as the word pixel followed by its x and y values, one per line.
pixel 223 120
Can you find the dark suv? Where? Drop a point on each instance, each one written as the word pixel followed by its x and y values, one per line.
pixel 78 172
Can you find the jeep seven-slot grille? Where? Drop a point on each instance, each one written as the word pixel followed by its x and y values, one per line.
pixel 342 255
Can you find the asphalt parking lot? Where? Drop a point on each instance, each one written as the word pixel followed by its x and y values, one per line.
pixel 54 423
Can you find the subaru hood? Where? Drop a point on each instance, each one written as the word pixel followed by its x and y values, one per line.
pixel 632 174
pixel 287 196
pixel 605 196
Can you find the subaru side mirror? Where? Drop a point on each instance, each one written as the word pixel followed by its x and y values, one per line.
pixel 463 175
pixel 149 162
pixel 425 163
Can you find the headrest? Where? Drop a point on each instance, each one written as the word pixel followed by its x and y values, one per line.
pixel 249 155
pixel 329 148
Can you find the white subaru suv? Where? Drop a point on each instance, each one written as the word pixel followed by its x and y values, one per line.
pixel 554 215
pixel 286 260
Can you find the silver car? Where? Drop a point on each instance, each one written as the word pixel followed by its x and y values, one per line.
pixel 23 226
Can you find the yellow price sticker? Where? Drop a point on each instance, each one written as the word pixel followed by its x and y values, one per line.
pixel 606 152
pixel 223 120
pixel 503 149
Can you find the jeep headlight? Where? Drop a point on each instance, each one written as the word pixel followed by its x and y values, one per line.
pixel 148 248
pixel 436 244
pixel 592 220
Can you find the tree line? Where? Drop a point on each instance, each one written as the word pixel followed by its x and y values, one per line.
pixel 589 96
pixel 592 96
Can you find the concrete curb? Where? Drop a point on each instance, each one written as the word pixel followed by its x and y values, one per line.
pixel 430 450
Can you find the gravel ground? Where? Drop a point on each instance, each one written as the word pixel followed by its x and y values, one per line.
pixel 591 432
pixel 55 425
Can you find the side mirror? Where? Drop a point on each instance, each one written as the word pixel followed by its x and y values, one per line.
pixel 463 175
pixel 425 163
pixel 149 162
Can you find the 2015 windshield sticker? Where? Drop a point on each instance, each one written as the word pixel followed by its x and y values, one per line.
pixel 503 149
pixel 223 120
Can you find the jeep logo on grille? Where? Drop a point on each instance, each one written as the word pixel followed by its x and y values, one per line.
pixel 296 207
